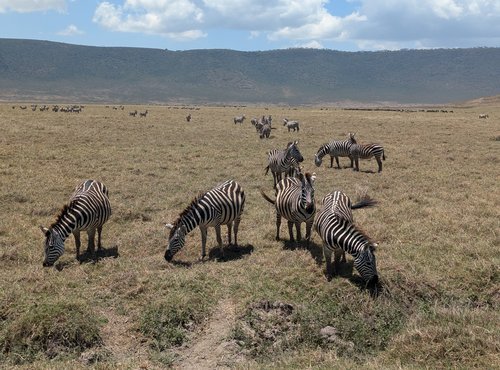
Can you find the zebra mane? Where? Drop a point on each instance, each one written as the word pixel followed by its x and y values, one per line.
pixel 63 212
pixel 188 209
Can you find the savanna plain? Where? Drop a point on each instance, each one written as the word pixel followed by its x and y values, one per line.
pixel 265 304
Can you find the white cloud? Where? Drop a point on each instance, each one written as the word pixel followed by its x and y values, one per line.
pixel 372 24
pixel 27 6
pixel 71 30
pixel 311 45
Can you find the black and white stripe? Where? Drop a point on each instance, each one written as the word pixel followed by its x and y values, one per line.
pixel 88 209
pixel 280 161
pixel 222 205
pixel 295 203
pixel 366 151
pixel 336 149
pixel 335 225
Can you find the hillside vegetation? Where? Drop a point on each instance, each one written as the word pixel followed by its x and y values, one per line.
pixel 42 70
pixel 266 303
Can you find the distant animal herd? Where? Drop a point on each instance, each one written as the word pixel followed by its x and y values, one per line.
pixel 89 207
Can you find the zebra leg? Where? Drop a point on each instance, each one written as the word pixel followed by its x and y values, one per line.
pixel 91 243
pixel 203 241
pixel 278 224
pixel 379 161
pixel 328 259
pixel 351 161
pixel 308 231
pixel 229 231
pixel 219 240
pixel 290 231
pixel 331 162
pixel 356 164
pixel 76 234
pixel 99 231
pixel 299 234
pixel 236 227
pixel 338 164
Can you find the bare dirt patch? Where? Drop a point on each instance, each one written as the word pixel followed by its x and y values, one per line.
pixel 212 348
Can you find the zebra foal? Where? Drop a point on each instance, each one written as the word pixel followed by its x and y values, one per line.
pixel 88 209
pixel 222 205
pixel 335 225
pixel 281 161
pixel 295 203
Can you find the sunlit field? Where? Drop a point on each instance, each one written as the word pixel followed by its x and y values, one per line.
pixel 265 304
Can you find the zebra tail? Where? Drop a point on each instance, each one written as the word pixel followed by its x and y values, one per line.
pixel 366 202
pixel 267 170
pixel 264 195
pixel 383 155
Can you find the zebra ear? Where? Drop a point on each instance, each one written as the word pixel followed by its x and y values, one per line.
pixel 45 230
pixel 313 177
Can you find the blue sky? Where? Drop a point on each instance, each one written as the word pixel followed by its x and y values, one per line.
pixel 350 25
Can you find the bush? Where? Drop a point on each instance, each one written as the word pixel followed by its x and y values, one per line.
pixel 49 329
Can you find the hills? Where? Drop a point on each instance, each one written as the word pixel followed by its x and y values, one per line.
pixel 49 71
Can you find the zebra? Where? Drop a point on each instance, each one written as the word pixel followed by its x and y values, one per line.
pixel 188 117
pixel 133 114
pixel 265 131
pixel 295 202
pixel 366 151
pixel 335 225
pixel 222 205
pixel 291 125
pixel 280 161
pixel 336 149
pixel 239 119
pixel 88 209
pixel 143 114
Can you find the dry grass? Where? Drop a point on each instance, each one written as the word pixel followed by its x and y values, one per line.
pixel 437 225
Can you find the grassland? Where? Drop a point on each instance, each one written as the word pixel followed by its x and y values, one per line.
pixel 437 225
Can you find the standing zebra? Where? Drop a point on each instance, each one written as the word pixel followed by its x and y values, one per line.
pixel 221 205
pixel 366 151
pixel 239 119
pixel 280 161
pixel 335 225
pixel 295 202
pixel 88 209
pixel 336 149
pixel 265 131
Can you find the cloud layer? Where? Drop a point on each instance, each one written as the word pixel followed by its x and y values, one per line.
pixel 372 24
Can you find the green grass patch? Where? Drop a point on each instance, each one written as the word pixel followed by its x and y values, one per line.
pixel 48 330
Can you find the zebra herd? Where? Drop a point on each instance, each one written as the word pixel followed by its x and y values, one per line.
pixel 89 208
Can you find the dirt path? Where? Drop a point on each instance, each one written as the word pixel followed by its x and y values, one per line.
pixel 212 348
pixel 123 342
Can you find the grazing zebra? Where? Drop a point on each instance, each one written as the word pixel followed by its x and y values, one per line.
pixel 239 119
pixel 295 202
pixel 336 149
pixel 291 125
pixel 143 114
pixel 335 225
pixel 222 205
pixel 280 161
pixel 366 151
pixel 88 209
pixel 133 114
pixel 483 116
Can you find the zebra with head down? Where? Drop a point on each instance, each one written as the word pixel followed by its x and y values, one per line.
pixel 222 205
pixel 335 225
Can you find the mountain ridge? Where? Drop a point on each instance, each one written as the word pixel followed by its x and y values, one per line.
pixel 32 69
